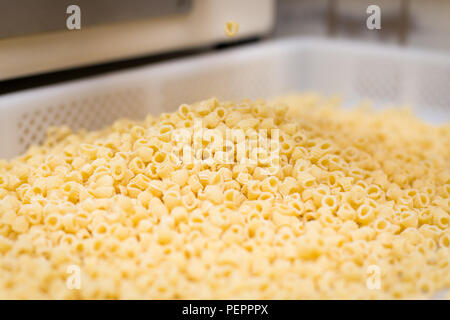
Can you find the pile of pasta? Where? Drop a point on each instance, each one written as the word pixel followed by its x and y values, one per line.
pixel 355 192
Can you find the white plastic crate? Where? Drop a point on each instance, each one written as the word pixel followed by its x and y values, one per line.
pixel 386 75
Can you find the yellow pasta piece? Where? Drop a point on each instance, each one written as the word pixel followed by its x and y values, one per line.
pixel 292 199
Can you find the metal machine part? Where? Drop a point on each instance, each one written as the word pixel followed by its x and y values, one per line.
pixel 26 17
pixel 34 38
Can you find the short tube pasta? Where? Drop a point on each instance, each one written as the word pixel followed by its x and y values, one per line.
pixel 292 198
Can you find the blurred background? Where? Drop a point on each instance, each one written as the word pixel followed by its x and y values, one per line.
pixel 36 48
pixel 130 58
pixel 415 23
